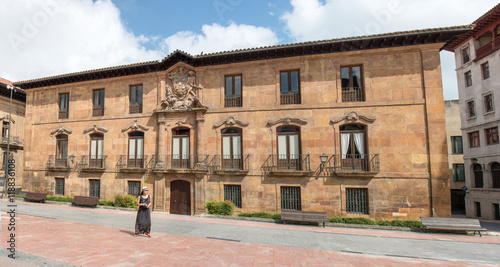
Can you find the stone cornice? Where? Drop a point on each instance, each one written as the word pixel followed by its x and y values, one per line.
pixel 95 129
pixel 286 121
pixel 353 117
pixel 230 122
pixel 60 130
pixel 135 126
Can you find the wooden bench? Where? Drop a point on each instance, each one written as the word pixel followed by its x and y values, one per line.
pixel 453 224
pixel 35 197
pixel 304 216
pixel 85 201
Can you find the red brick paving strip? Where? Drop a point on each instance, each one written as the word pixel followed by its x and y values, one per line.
pixel 96 245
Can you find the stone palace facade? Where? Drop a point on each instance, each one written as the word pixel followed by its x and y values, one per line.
pixel 353 127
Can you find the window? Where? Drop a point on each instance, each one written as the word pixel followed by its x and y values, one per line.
pixel 457 145
pixel 180 148
pixel 290 87
pixel 233 194
pixel 353 148
pixel 233 91
pixel 468 79
pixel 134 188
pixel 465 55
pixel 95 188
pixel 488 103
pixel 474 139
pixel 471 110
pixel 59 186
pixel 491 136
pixel 135 99
pixel 478 176
pixel 62 150
pixel 352 89
pixel 495 174
pixel 459 172
pixel 5 129
pixel 98 102
pixel 478 209
pixel 135 150
pixel 357 200
pixel 231 149
pixel 496 211
pixel 485 69
pixel 290 198
pixel 289 157
pixel 96 150
pixel 63 106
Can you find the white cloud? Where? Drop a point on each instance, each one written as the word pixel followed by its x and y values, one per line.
pixel 52 37
pixel 318 19
pixel 219 38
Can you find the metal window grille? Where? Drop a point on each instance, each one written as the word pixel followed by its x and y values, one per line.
pixel 357 200
pixel 95 188
pixel 134 188
pixel 59 190
pixel 233 193
pixel 290 198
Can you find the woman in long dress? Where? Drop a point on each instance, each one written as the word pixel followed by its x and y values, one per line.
pixel 143 220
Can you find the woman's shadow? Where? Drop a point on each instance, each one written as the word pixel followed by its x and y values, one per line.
pixel 128 232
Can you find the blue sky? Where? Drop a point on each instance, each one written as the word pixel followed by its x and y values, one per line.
pixel 42 38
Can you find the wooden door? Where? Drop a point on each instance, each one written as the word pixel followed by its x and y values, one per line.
pixel 180 197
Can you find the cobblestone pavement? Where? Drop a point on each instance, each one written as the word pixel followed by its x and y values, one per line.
pixel 55 235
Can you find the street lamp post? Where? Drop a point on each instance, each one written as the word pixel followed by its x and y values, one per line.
pixel 11 89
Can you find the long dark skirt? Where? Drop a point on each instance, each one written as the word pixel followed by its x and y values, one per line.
pixel 143 221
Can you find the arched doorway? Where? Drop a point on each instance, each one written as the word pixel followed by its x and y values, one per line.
pixel 180 197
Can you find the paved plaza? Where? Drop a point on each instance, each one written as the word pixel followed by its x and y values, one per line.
pixel 59 235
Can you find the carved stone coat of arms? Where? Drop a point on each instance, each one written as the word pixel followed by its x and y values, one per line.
pixel 181 91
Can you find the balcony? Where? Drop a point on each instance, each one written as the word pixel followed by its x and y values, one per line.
pixel 230 102
pixel 132 164
pixel 14 141
pixel 288 165
pixel 290 98
pixel 485 49
pixel 89 164
pixel 98 111
pixel 227 164
pixel 63 114
pixel 135 108
pixel 353 94
pixel 361 165
pixel 58 163
pixel 181 163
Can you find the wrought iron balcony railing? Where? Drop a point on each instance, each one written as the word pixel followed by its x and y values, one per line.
pixel 290 98
pixel 127 162
pixel 353 94
pixel 353 164
pixel 181 162
pixel 98 111
pixel 287 163
pixel 234 101
pixel 63 114
pixel 230 163
pixel 93 162
pixel 58 162
pixel 135 108
pixel 14 140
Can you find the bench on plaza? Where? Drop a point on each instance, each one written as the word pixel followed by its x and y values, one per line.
pixel 85 201
pixel 453 224
pixel 304 216
pixel 35 197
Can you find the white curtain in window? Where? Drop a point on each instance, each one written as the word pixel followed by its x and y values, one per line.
pixel 131 149
pixel 294 146
pixel 344 144
pixel 175 148
pixel 226 147
pixel 140 148
pixel 93 152
pixel 359 142
pixel 236 147
pixel 99 149
pixel 185 148
pixel 282 147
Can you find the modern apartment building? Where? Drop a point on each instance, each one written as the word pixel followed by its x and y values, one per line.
pixel 14 137
pixel 455 156
pixel 477 57
pixel 352 127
